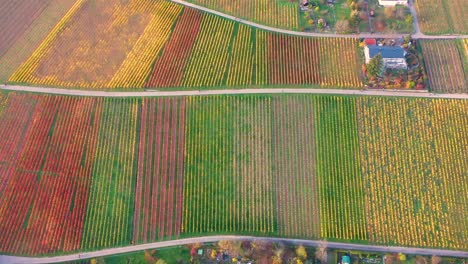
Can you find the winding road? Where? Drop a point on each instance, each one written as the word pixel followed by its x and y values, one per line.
pixel 207 239
pixel 417 35
pixel 155 93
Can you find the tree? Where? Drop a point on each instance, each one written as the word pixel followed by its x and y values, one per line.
pixel 321 254
pixel 400 13
pixel 409 19
pixel 410 84
pixel 321 23
pixel 342 26
pixel 232 246
pixel 354 19
pixel 436 260
pixel 213 254
pixel 375 67
pixel 421 260
pixel 301 252
pixel 364 69
pixel 276 260
pixel 149 256
pixel 390 12
pixel 161 261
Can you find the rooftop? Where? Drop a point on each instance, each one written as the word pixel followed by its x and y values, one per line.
pixel 389 52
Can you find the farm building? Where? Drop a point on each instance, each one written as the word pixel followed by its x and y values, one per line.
pixel 393 56
pixel 393 2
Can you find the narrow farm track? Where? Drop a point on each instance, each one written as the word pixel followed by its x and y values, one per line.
pixel 207 239
pixel 155 93
pixel 418 35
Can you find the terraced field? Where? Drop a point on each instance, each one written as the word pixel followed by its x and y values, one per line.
pixel 83 173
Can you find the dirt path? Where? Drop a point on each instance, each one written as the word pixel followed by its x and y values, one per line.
pixel 311 243
pixel 155 93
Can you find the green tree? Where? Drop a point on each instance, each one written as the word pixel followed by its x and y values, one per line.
pixel 375 67
pixel 354 19
pixel 409 19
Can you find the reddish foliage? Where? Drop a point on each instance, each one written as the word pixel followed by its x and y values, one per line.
pixel 160 170
pixel 50 185
pixel 169 68
pixel 292 60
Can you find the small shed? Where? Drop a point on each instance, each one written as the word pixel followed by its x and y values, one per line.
pixel 370 41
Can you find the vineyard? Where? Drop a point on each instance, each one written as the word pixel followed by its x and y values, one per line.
pixel 97 43
pixel 15 17
pixel 442 16
pixel 81 173
pixel 339 182
pixel 159 184
pixel 228 176
pixel 294 151
pixel 110 205
pixel 445 66
pixel 279 13
pixel 24 26
pixel 414 165
pixel 220 56
pixel 168 46
pixel 43 207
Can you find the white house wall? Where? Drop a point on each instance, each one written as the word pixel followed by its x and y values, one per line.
pixel 392 3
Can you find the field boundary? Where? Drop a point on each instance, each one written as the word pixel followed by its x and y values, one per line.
pixel 207 239
pixel 155 93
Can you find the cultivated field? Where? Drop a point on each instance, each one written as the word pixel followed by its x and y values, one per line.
pixel 25 24
pixel 87 173
pixel 221 56
pixel 167 46
pixel 296 180
pixel 160 176
pixel 442 16
pixel 46 170
pixel 446 66
pixel 278 13
pixel 98 43
pixel 15 18
pixel 339 179
pixel 414 164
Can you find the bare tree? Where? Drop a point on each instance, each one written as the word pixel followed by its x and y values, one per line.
pixel 436 260
pixel 321 253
